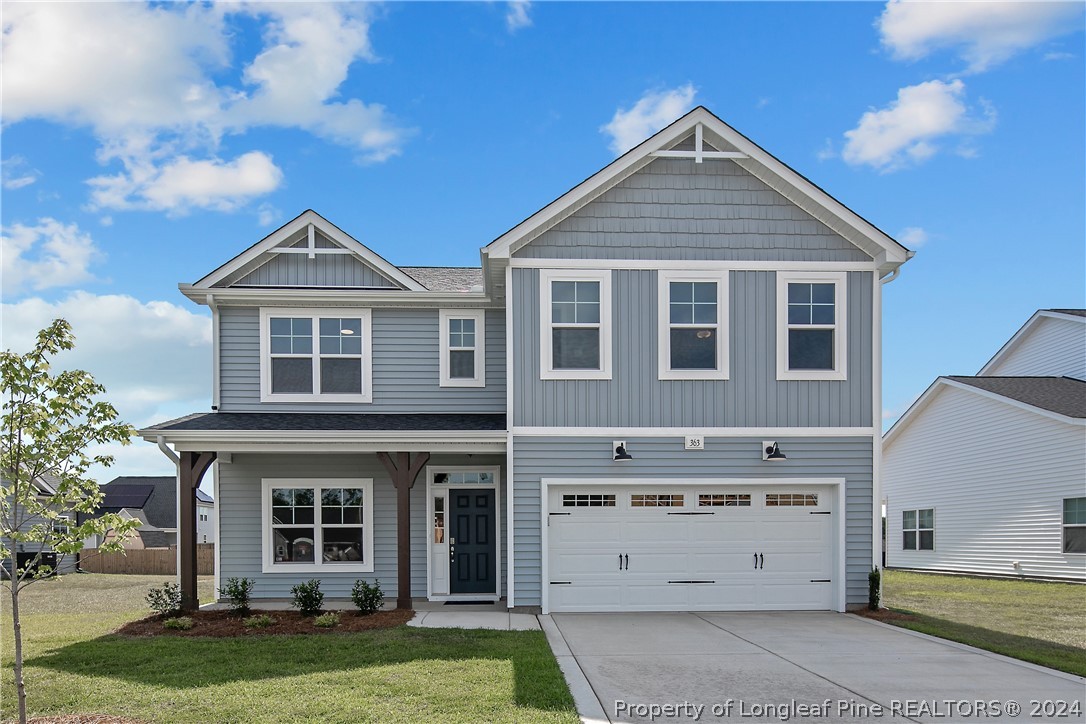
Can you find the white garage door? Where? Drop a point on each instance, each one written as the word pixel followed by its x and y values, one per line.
pixel 677 548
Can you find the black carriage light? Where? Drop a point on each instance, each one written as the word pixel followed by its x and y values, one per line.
pixel 620 451
pixel 773 452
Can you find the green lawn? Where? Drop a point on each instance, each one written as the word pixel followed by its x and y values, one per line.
pixel 1044 623
pixel 404 674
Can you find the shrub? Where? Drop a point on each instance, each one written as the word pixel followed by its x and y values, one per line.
pixel 238 590
pixel 327 620
pixel 874 586
pixel 261 621
pixel 166 600
pixel 308 598
pixel 182 623
pixel 367 596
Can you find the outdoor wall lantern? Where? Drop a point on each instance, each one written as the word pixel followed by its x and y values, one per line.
pixel 772 451
pixel 620 450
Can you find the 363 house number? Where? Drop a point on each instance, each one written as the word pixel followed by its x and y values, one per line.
pixel 695 442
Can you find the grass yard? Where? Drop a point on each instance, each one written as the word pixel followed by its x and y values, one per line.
pixel 1044 623
pixel 74 665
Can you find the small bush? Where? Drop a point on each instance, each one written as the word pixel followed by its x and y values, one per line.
pixel 874 586
pixel 182 623
pixel 308 598
pixel 367 596
pixel 166 600
pixel 327 620
pixel 261 621
pixel 238 591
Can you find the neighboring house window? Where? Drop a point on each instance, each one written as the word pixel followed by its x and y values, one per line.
pixel 811 326
pixel 462 348
pixel 918 529
pixel 315 356
pixel 315 525
pixel 1074 525
pixel 60 525
pixel 575 313
pixel 693 330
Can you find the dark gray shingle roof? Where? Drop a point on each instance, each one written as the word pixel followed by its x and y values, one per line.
pixel 1062 395
pixel 280 421
pixel 157 493
pixel 445 278
pixel 156 538
pixel 1075 312
pixel 203 497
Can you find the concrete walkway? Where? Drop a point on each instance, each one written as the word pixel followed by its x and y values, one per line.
pixel 768 666
pixel 497 620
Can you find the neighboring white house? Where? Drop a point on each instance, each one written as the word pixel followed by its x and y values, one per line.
pixel 987 474
pixel 205 517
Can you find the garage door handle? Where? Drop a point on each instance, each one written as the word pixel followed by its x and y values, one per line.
pixel 761 561
pixel 755 561
pixel 627 561
pixel 620 561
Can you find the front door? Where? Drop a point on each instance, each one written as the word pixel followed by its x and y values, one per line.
pixel 471 541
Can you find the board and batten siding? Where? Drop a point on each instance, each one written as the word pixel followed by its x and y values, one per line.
pixel 1054 347
pixel 406 354
pixel 636 397
pixel 582 457
pixel 677 209
pixel 326 270
pixel 240 541
pixel 996 476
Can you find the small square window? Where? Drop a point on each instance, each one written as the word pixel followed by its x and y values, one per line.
pixel 918 529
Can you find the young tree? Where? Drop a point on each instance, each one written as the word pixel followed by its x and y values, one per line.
pixel 50 422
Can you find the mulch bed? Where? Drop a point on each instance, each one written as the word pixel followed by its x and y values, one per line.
pixel 885 614
pixel 223 624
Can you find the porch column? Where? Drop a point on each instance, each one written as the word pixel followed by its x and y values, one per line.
pixel 191 469
pixel 403 472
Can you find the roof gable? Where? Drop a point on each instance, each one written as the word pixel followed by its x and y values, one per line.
pixel 309 251
pixel 713 140
pixel 1023 335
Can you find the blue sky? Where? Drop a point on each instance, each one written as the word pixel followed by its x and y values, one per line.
pixel 426 130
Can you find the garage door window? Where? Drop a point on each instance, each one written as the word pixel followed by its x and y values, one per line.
pixel 587 500
pixel 649 500
pixel 1074 525
pixel 726 500
pixel 918 529
pixel 782 500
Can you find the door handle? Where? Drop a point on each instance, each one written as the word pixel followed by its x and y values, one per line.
pixel 761 560
pixel 755 561
pixel 627 561
pixel 620 561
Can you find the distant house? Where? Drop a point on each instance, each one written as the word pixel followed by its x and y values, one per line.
pixel 987 474
pixel 45 485
pixel 152 501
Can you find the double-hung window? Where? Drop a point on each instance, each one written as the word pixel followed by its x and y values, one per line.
pixel 693 330
pixel 317 525
pixel 1074 525
pixel 575 315
pixel 918 530
pixel 462 348
pixel 811 326
pixel 312 355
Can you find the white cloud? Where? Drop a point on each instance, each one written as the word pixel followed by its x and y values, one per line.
pixel 1058 55
pixel 160 106
pixel 47 255
pixel 827 151
pixel 16 173
pixel 905 132
pixel 913 237
pixel 516 15
pixel 266 214
pixel 653 111
pixel 984 33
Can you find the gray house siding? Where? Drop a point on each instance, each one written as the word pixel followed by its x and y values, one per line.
pixel 405 366
pixel 65 563
pixel 326 270
pixel 635 396
pixel 675 209
pixel 240 542
pixel 536 458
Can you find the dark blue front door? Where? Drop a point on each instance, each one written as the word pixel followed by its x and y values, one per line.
pixel 471 541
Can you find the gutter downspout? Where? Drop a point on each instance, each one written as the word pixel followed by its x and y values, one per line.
pixel 177 497
pixel 211 303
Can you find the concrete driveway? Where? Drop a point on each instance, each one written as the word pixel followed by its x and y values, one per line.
pixel 774 667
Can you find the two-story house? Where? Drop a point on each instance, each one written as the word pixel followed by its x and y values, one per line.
pixel 660 392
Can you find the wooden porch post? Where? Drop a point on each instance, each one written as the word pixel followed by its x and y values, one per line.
pixel 403 473
pixel 191 471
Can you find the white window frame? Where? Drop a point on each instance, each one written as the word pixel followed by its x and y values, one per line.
pixel 316 314
pixel 479 316
pixel 663 296
pixel 318 566
pixel 546 357
pixel 840 326
pixel 1064 526
pixel 917 530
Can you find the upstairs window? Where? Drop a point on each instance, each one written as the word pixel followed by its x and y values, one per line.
pixel 693 330
pixel 462 348
pixel 311 356
pixel 918 530
pixel 575 312
pixel 811 329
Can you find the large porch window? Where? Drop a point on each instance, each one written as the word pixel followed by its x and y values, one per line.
pixel 317 525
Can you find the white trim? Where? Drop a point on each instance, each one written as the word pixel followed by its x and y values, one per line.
pixel 216 367
pixel 692 264
pixel 704 432
pixel 316 314
pixel 546 358
pixel 840 326
pixel 495 470
pixel 367 296
pixel 269 566
pixel 840 513
pixel 509 375
pixel 723 312
pixel 876 421
pixel 1021 334
pixel 218 517
pixel 479 317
